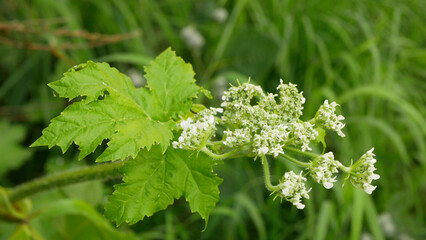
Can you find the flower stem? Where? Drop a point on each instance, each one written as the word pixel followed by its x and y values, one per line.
pixel 293 160
pixel 345 169
pixel 295 150
pixel 99 171
pixel 211 143
pixel 218 156
pixel 268 183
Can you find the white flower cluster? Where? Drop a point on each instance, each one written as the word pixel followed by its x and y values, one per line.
pixel 327 118
pixel 238 108
pixel 291 101
pixel 322 169
pixel 292 189
pixel 220 15
pixel 238 137
pixel 192 37
pixel 271 140
pixel 197 131
pixel 362 172
pixel 259 124
pixel 267 125
pixel 303 133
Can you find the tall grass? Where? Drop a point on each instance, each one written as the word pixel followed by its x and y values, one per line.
pixel 369 56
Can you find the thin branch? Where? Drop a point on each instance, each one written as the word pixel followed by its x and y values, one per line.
pixel 267 174
pixel 96 172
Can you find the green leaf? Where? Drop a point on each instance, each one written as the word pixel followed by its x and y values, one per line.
pixel 12 153
pixel 152 181
pixel 74 219
pixel 172 83
pixel 321 138
pixel 112 108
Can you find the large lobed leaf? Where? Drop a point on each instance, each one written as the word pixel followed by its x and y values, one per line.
pixel 74 219
pixel 152 181
pixel 172 84
pixel 112 108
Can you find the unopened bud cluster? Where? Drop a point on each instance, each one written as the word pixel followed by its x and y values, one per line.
pixel 261 124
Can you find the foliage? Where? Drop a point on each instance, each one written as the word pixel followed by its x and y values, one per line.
pixel 10 148
pixel 153 180
pixel 157 176
pixel 368 56
pixel 134 118
pixel 131 118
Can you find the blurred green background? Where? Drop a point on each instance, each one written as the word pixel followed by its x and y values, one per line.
pixel 368 56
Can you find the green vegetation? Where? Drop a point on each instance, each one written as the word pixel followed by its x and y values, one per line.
pixel 368 56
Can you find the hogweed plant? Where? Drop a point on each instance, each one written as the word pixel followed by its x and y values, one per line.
pixel 165 146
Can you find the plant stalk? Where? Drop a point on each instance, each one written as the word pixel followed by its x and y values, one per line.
pixel 219 156
pixel 96 172
pixel 295 161
pixel 268 183
pixel 295 150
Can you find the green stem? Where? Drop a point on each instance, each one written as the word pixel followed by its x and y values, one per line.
pixel 211 143
pixel 295 150
pixel 99 171
pixel 293 160
pixel 268 183
pixel 219 156
pixel 345 169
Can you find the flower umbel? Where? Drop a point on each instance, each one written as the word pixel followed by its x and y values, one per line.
pixel 362 172
pixel 291 101
pixel 327 118
pixel 196 132
pixel 255 117
pixel 271 140
pixel 292 188
pixel 322 169
pixel 303 133
pixel 257 124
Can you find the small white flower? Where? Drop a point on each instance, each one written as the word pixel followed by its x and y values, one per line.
pixel 303 133
pixel 136 77
pixel 220 15
pixel 387 224
pixel 292 189
pixel 238 137
pixel 362 172
pixel 271 140
pixel 327 118
pixel 323 168
pixel 196 132
pixel 193 39
pixel 291 101
pixel 263 150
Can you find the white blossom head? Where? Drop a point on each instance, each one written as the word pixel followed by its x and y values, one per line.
pixel 292 189
pixel 197 131
pixel 362 172
pixel 322 169
pixel 271 140
pixel 302 133
pixel 327 118
pixel 291 101
pixel 220 15
pixel 192 38
pixel 239 110
pixel 236 138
